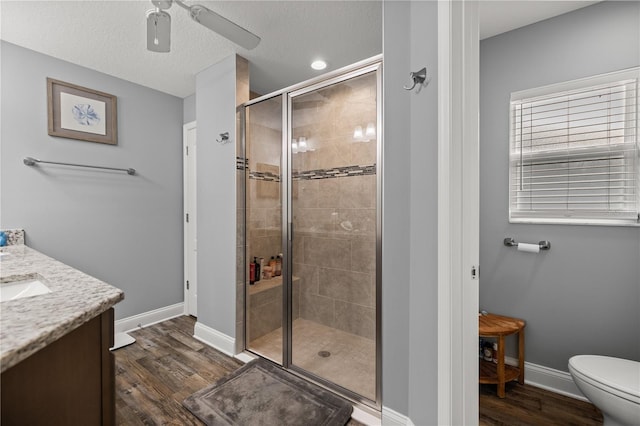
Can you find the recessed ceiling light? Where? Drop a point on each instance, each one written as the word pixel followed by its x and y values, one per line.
pixel 318 65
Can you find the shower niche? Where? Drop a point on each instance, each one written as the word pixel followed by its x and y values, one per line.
pixel 310 162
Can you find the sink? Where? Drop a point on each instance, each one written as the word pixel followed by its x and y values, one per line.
pixel 19 289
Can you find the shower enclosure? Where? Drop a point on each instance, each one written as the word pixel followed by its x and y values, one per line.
pixel 311 168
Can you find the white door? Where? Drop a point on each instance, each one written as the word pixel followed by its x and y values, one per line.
pixel 190 241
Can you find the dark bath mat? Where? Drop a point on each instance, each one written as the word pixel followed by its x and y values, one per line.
pixel 260 393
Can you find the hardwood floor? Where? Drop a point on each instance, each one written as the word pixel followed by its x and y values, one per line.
pixel 166 364
pixel 163 367
pixel 529 405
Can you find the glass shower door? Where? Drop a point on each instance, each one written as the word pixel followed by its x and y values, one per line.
pixel 333 210
pixel 264 286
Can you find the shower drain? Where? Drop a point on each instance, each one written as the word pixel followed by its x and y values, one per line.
pixel 324 354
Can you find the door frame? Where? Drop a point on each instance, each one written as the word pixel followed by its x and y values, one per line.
pixel 189 178
pixel 458 212
pixel 372 65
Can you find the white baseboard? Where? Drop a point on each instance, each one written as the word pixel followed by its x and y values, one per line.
pixel 144 319
pixel 393 418
pixel 245 357
pixel 365 417
pixel 549 379
pixel 214 338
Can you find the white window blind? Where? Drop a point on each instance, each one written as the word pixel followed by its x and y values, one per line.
pixel 574 155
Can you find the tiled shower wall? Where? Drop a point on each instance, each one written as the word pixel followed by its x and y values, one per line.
pixel 264 148
pixel 263 212
pixel 334 201
pixel 334 205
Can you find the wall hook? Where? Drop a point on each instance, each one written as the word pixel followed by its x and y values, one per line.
pixel 224 138
pixel 419 79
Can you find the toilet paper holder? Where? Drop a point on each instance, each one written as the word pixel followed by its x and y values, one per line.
pixel 544 245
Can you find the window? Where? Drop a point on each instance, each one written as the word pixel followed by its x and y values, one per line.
pixel 574 154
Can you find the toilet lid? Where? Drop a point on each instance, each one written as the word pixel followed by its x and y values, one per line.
pixel 620 374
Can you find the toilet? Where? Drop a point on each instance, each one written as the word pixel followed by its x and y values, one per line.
pixel 611 384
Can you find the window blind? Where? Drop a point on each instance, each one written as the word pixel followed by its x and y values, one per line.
pixel 574 154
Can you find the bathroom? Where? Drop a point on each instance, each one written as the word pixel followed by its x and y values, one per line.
pixel 118 218
pixel 580 296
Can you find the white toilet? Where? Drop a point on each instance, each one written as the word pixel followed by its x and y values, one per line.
pixel 611 384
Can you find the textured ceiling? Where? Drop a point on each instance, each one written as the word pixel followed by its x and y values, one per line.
pixel 110 36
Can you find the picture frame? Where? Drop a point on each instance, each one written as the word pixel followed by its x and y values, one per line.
pixel 77 112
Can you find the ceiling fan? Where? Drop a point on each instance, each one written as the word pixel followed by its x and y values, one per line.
pixel 159 26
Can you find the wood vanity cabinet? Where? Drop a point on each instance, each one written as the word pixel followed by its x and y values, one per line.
pixel 69 382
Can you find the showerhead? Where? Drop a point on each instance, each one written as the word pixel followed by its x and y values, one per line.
pixel 159 26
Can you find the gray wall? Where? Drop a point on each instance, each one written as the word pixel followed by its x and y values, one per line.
pixel 423 354
pixel 125 230
pixel 583 296
pixel 409 260
pixel 189 112
pixel 216 194
pixel 396 276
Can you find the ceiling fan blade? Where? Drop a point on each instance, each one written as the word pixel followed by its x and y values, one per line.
pixel 224 27
pixel 158 31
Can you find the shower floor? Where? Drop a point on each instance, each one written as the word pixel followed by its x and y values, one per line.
pixel 351 364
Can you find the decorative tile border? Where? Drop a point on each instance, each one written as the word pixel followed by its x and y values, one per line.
pixel 346 171
pixel 266 176
pixel 337 172
pixel 242 163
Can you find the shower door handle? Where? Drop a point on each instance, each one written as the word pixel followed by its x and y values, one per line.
pixel 290 231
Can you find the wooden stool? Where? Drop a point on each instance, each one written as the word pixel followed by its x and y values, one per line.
pixel 492 325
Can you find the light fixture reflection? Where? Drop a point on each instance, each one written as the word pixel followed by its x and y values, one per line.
pixel 371 130
pixel 357 134
pixel 302 144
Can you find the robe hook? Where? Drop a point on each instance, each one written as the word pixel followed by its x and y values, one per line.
pixel 224 138
pixel 419 78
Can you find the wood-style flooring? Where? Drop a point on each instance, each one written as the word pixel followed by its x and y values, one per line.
pixel 166 364
pixel 163 367
pixel 526 405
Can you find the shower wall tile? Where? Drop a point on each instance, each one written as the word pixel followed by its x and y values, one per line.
pixel 308 276
pixel 358 221
pixel 363 256
pixel 363 153
pixel 273 219
pixel 328 252
pixel 317 308
pixel 329 192
pixel 355 319
pixel 307 193
pixel 357 192
pixel 347 286
pixel 314 219
pixel 265 247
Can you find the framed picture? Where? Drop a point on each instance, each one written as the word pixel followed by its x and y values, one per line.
pixel 76 112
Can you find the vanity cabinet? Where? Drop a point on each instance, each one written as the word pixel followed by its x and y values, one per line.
pixel 69 382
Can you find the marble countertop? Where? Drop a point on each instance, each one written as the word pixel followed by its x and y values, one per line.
pixel 31 323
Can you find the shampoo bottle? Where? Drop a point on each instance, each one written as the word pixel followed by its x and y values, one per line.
pixel 278 270
pixel 252 273
pixel 257 268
